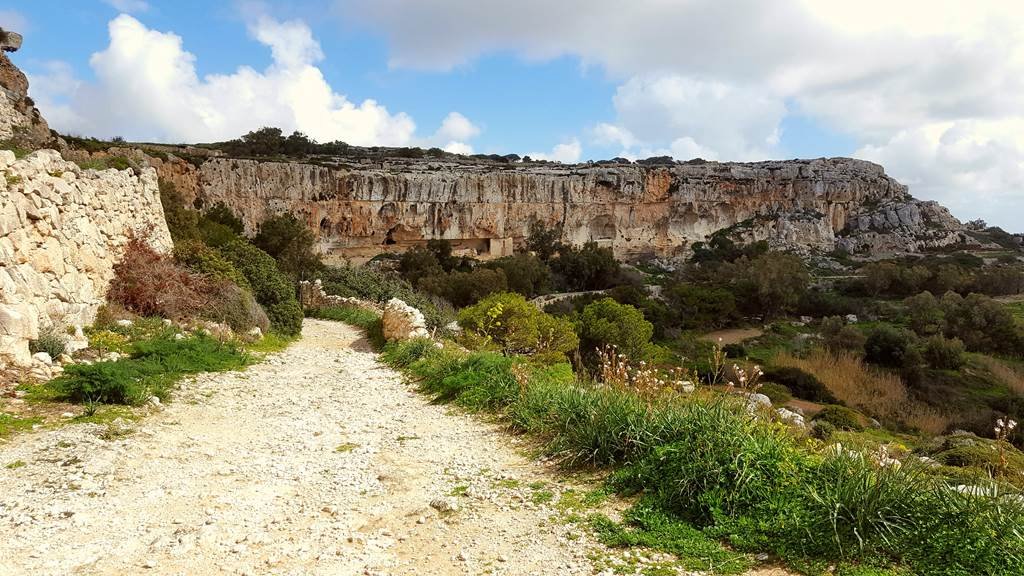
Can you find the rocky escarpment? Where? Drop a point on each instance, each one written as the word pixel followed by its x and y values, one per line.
pixel 62 229
pixel 20 121
pixel 362 209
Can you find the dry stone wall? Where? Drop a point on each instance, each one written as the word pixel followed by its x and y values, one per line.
pixel 62 229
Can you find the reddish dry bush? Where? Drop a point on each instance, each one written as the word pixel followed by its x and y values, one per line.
pixel 152 284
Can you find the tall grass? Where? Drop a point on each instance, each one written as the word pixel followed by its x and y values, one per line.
pixel 1004 373
pixel 706 459
pixel 877 392
pixel 154 365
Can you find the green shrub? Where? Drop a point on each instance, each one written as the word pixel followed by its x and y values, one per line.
pixel 182 222
pixel 525 273
pixel 222 214
pixel 403 353
pixel 464 288
pixel 801 384
pixel 777 393
pixel 943 353
pixel 270 286
pixel 608 323
pixel 230 304
pixel 153 366
pixel 515 326
pixel 291 243
pixel 199 257
pixel 888 346
pixel 700 307
pixel 418 262
pixel 51 341
pixel 841 417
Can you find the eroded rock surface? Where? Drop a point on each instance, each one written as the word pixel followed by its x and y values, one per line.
pixel 360 208
pixel 20 120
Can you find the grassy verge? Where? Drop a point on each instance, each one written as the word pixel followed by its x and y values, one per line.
pixel 152 367
pixel 745 480
pixel 12 424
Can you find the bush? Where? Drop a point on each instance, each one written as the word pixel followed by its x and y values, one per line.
pixel 515 326
pixel 270 286
pixel 148 283
pixel 235 306
pixel 700 308
pixel 222 214
pixel 463 289
pixel 841 417
pixel 944 353
pixel 888 346
pixel 777 393
pixel 606 322
pixel 199 257
pixel 526 274
pixel 290 242
pixel 51 341
pixel 801 384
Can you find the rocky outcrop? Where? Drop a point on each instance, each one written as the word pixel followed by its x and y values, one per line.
pixel 359 208
pixel 62 229
pixel 403 322
pixel 20 121
pixel 908 226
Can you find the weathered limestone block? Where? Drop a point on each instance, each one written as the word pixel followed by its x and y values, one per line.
pixel 403 322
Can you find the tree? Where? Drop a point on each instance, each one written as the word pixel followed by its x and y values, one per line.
pixel 606 322
pixel 543 241
pixel 840 336
pixel 587 268
pixel 417 263
pixel 779 280
pixel 290 242
pixel 527 274
pixel 925 314
pixel 221 214
pixel 464 288
pixel 700 307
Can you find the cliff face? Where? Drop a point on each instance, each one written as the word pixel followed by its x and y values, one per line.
pixel 362 210
pixel 20 121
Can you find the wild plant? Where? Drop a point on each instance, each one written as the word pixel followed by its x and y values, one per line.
pixel 1003 429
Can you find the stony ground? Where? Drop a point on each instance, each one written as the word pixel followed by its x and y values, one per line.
pixel 318 461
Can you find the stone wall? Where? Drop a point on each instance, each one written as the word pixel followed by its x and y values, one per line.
pixel 62 229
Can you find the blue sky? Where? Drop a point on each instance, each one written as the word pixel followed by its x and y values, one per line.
pixel 933 94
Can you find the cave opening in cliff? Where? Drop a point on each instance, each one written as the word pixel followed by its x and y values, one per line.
pixel 389 238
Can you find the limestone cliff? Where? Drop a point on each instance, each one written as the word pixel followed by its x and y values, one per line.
pixel 361 209
pixel 20 121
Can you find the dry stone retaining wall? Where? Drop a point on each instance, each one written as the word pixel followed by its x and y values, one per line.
pixel 62 229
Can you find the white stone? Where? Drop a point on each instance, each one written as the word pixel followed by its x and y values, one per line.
pixel 403 322
pixel 43 358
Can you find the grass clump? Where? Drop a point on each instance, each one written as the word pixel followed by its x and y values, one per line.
pixel 51 341
pixel 10 424
pixel 154 365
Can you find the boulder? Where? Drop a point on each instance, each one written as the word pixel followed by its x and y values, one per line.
pixel 403 322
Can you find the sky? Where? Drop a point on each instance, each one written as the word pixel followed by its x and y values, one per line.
pixel 931 89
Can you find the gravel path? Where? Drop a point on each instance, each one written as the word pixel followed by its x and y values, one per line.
pixel 318 461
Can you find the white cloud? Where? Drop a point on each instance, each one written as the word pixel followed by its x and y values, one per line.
pixel 128 6
pixel 717 78
pixel 149 90
pixel 455 126
pixel 567 152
